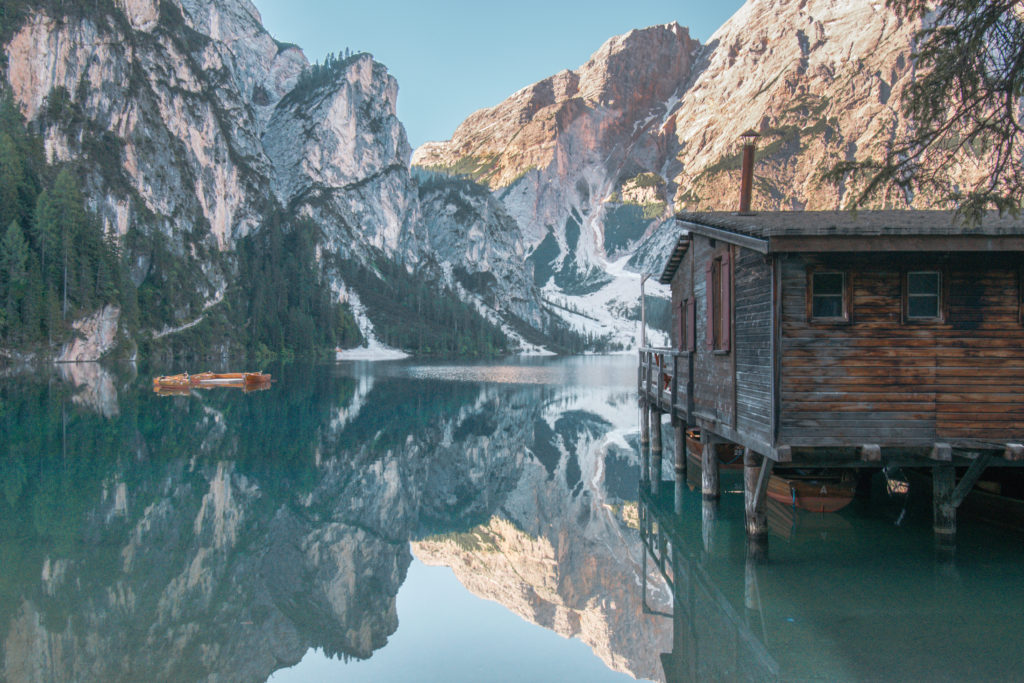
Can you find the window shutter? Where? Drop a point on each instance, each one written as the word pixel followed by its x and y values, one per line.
pixel 681 325
pixel 723 343
pixel 709 295
pixel 691 324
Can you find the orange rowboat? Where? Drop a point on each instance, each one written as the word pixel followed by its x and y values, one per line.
pixel 814 494
pixel 248 380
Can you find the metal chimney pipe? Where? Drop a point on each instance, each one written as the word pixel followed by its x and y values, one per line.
pixel 747 179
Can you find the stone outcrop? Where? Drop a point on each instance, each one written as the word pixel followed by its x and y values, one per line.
pixel 94 337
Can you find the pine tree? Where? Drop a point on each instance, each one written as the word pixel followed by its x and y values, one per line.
pixel 12 178
pixel 13 271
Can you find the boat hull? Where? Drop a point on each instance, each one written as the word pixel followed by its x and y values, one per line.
pixel 813 495
pixel 729 455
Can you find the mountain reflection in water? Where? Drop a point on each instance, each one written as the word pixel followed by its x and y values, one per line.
pixel 226 535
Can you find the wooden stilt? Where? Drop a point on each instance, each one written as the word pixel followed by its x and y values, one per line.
pixel 709 485
pixel 680 464
pixel 656 450
pixel 943 484
pixel 754 496
pixel 709 515
pixel 645 425
pixel 680 448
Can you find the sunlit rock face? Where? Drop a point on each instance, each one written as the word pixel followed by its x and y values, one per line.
pixel 591 163
pixel 819 80
pixel 567 142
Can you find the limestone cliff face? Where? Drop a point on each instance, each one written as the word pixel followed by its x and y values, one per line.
pixel 566 143
pixel 192 126
pixel 592 162
pixel 820 80
pixel 479 248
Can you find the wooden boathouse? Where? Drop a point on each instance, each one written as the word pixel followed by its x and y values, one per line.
pixel 835 340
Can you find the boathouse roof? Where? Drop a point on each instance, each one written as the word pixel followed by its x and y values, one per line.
pixel 863 231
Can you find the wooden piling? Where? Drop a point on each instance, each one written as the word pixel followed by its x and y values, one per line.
pixel 680 448
pixel 709 483
pixel 680 464
pixel 656 450
pixel 944 512
pixel 645 425
pixel 754 496
pixel 709 517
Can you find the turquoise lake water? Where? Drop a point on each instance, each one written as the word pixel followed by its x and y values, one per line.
pixel 445 522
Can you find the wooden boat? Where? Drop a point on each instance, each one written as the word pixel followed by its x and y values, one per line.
pixel 730 457
pixel 172 381
pixel 229 378
pixel 812 492
pixel 205 380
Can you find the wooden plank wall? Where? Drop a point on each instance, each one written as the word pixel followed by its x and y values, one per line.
pixel 753 331
pixel 713 374
pixel 879 379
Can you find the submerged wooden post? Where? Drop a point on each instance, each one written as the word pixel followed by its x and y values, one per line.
pixel 645 424
pixel 754 496
pixel 680 447
pixel 656 450
pixel 680 469
pixel 943 483
pixel 709 485
pixel 709 515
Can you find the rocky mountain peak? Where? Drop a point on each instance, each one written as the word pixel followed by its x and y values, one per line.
pixel 625 77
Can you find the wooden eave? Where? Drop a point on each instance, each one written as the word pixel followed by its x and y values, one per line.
pixel 895 243
pixel 682 244
pixel 748 241
pixel 857 243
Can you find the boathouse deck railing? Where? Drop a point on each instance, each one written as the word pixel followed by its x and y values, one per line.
pixel 664 380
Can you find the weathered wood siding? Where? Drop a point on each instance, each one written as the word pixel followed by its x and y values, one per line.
pixel 753 331
pixel 682 286
pixel 714 384
pixel 878 379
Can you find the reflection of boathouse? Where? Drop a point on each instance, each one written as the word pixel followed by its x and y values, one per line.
pixel 833 340
pixel 856 601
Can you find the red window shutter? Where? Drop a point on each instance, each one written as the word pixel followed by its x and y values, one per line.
pixel 709 295
pixel 691 324
pixel 723 343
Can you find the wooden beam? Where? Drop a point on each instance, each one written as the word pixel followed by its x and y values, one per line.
pixel 755 243
pixel 914 243
pixel 760 494
pixel 783 454
pixel 871 452
pixel 969 479
pixel 943 452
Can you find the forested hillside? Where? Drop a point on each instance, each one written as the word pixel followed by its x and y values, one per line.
pixel 55 262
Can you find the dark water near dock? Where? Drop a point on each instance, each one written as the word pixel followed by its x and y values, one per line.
pixel 405 521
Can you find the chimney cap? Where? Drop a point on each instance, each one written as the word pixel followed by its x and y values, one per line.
pixel 750 134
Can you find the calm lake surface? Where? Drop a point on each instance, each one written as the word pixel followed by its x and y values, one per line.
pixel 447 522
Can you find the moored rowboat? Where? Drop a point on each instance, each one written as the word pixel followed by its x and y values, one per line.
pixel 812 493
pixel 729 455
pixel 212 379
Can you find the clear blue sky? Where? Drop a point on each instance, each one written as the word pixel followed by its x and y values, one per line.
pixel 452 58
